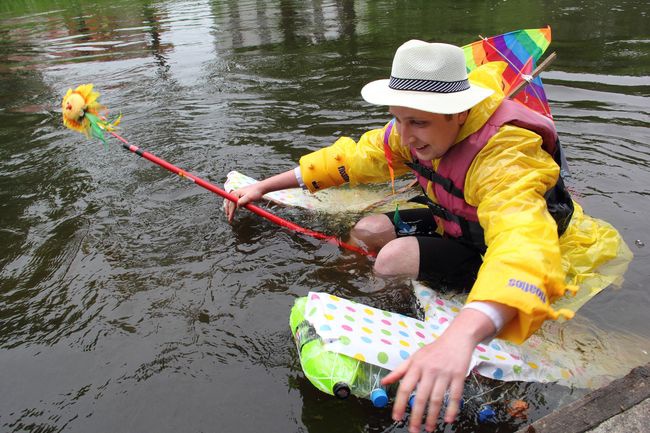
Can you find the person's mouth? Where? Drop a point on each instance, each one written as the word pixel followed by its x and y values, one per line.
pixel 421 147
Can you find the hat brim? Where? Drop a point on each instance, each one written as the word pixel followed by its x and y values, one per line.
pixel 378 93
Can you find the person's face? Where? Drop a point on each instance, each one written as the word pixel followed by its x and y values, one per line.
pixel 429 134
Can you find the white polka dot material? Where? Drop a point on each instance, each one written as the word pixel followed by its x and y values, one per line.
pixel 386 339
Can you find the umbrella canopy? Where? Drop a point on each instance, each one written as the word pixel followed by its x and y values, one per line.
pixel 521 50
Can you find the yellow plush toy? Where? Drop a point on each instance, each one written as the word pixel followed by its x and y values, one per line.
pixel 81 112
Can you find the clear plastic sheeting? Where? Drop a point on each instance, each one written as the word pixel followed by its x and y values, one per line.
pixel 333 200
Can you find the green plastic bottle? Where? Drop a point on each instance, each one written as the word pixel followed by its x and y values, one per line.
pixel 331 372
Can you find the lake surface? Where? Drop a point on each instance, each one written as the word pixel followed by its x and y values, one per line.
pixel 127 303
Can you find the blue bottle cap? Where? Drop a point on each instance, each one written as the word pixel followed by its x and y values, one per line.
pixel 378 397
pixel 486 413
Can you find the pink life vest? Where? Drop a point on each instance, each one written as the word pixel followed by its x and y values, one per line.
pixel 458 218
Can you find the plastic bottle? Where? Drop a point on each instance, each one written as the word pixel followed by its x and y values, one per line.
pixel 330 372
pixel 367 385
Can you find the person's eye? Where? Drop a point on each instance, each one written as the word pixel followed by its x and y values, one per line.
pixel 418 123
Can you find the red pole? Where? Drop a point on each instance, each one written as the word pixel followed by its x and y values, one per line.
pixel 251 207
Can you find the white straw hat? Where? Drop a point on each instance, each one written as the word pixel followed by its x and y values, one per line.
pixel 429 77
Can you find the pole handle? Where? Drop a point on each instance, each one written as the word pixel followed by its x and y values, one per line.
pixel 251 207
pixel 538 70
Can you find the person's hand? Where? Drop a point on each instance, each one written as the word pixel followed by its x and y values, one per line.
pixel 246 195
pixel 255 191
pixel 438 371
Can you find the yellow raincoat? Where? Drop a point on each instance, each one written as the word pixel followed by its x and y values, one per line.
pixel 525 266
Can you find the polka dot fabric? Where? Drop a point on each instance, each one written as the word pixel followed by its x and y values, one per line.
pixel 375 336
pixel 386 339
pixel 533 361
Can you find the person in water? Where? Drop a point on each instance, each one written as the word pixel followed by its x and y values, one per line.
pixel 497 210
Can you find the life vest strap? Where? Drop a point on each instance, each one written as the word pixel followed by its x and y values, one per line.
pixel 472 232
pixel 434 176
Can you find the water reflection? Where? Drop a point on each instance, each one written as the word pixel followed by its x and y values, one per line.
pixel 127 303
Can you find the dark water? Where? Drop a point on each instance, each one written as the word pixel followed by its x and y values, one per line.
pixel 127 303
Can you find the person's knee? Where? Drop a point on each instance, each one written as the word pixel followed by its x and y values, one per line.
pixel 400 257
pixel 373 231
pixel 373 224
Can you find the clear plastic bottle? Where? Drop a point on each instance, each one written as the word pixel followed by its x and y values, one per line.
pixel 367 384
pixel 331 372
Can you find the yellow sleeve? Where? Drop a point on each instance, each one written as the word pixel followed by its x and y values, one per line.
pixel 522 265
pixel 354 162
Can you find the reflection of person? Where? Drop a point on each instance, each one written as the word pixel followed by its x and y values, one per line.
pixel 497 209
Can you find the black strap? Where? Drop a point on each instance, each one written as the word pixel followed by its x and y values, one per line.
pixel 558 199
pixel 560 159
pixel 436 209
pixel 433 176
pixel 559 205
pixel 472 232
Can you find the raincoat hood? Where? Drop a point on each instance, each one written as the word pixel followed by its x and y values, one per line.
pixel 488 76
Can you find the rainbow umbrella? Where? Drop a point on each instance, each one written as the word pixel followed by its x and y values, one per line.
pixel 521 50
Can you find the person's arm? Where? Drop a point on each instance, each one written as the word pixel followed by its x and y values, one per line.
pixel 343 161
pixel 440 368
pixel 255 192
pixel 354 162
pixel 522 266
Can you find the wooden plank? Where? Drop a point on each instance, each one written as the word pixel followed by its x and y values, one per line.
pixel 600 405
